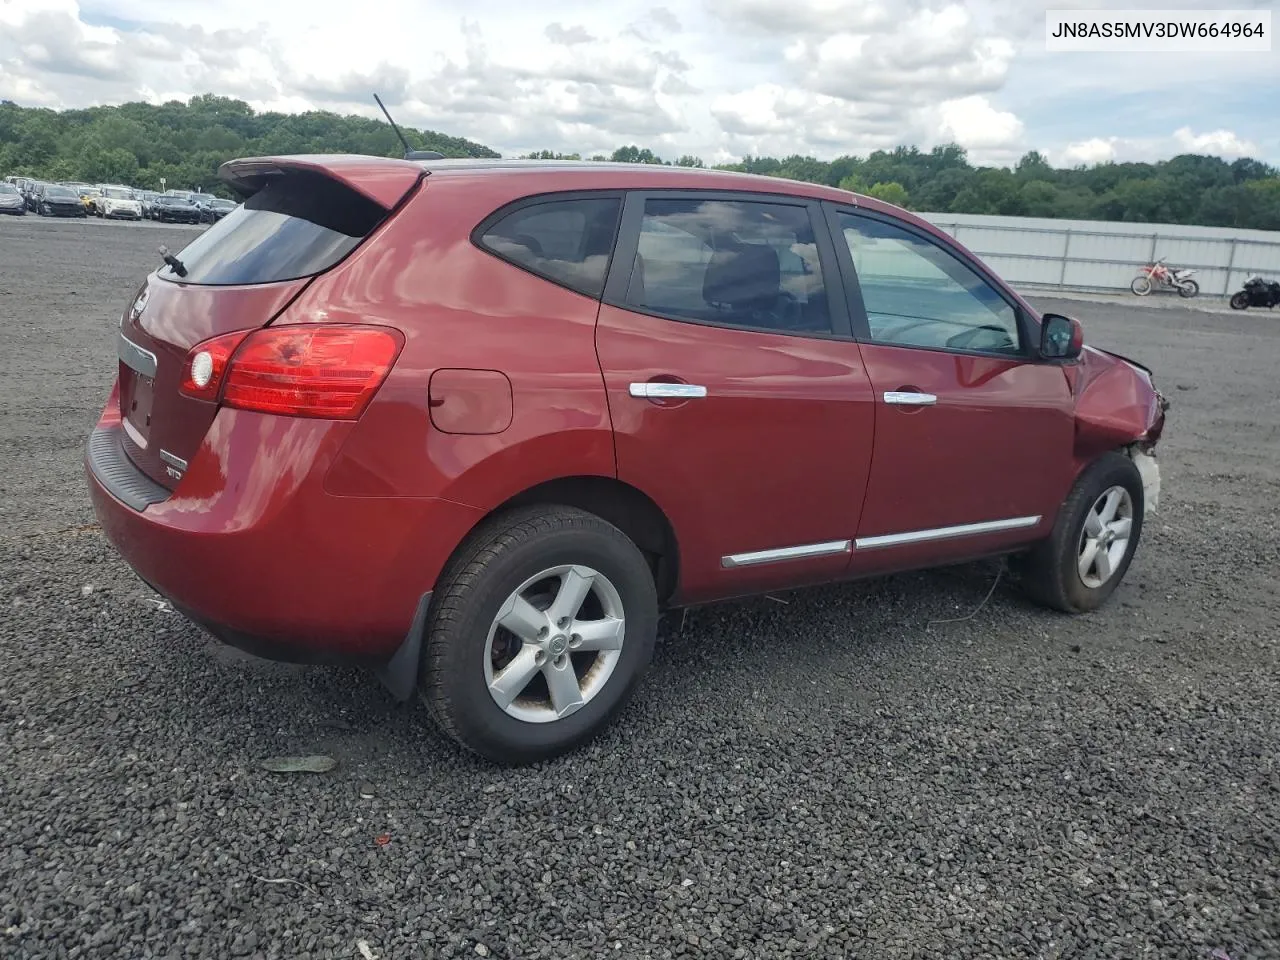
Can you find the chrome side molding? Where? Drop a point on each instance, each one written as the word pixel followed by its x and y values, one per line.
pixel 945 533
pixel 805 552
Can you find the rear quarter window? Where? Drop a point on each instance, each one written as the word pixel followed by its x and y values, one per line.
pixel 567 241
pixel 297 226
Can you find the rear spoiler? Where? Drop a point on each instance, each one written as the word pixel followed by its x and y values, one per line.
pixel 384 181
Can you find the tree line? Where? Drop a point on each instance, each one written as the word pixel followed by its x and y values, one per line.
pixel 1187 189
pixel 184 143
pixel 138 144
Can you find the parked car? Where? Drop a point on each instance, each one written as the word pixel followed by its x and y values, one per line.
pixel 216 209
pixel 55 200
pixel 146 198
pixel 117 203
pixel 31 193
pixel 87 195
pixel 167 209
pixel 11 201
pixel 477 434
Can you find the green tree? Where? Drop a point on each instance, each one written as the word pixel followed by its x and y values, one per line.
pixel 894 193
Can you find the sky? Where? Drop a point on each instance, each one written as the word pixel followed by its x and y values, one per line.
pixel 719 79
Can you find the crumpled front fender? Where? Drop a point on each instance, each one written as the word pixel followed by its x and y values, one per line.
pixel 1116 404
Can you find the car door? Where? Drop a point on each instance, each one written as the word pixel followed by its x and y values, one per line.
pixel 973 440
pixel 739 400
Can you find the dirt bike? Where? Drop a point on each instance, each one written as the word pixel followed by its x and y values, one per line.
pixel 1256 293
pixel 1159 274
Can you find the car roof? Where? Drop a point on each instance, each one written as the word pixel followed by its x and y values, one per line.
pixel 605 173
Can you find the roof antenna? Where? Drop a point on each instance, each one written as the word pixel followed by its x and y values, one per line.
pixel 409 152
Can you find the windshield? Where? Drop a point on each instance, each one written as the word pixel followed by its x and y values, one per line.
pixel 60 193
pixel 203 197
pixel 117 193
pixel 8 188
pixel 173 201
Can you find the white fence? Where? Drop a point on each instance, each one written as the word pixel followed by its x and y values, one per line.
pixel 1105 256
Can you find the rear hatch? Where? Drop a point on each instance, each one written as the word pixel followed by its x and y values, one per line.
pixel 301 217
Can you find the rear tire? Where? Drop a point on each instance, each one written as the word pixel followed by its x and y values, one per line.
pixel 1066 572
pixel 1141 286
pixel 519 568
pixel 1188 288
pixel 1240 301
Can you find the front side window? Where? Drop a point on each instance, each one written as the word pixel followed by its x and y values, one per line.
pixel 566 241
pixel 919 295
pixel 741 263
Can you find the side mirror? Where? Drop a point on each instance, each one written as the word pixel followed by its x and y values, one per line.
pixel 1061 338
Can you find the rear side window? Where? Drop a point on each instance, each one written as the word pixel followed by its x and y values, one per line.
pixel 748 264
pixel 296 226
pixel 566 241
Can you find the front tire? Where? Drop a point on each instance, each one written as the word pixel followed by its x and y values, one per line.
pixel 1141 286
pixel 1240 301
pixel 1093 541
pixel 540 629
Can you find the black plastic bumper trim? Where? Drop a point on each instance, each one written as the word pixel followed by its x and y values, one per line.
pixel 117 473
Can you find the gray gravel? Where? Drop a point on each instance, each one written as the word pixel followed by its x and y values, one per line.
pixel 829 776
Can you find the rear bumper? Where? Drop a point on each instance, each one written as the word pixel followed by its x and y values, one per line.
pixel 251 547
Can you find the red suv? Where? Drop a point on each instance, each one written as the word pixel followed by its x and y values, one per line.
pixel 476 423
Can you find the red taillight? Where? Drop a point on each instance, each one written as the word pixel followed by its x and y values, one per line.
pixel 207 363
pixel 303 370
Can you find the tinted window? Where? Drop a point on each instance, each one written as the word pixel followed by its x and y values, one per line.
pixel 919 294
pixel 294 227
pixel 568 241
pixel 745 263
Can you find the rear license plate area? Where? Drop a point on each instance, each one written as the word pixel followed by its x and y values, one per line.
pixel 136 395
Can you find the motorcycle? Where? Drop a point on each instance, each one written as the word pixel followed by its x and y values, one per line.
pixel 1256 293
pixel 1162 275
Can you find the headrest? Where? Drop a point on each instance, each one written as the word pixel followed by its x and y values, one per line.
pixel 743 275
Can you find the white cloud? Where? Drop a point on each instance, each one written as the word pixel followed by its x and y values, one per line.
pixel 1221 143
pixel 718 78
pixel 1088 152
pixel 975 124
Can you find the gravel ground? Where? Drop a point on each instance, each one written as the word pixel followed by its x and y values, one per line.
pixel 829 776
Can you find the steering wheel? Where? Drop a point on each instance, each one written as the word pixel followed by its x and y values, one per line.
pixel 963 340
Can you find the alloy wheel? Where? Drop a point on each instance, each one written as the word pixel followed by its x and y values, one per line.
pixel 554 643
pixel 1104 541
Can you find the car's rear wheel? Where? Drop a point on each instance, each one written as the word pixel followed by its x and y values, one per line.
pixel 540 629
pixel 1093 541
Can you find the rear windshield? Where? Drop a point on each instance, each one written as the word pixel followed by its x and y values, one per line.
pixel 296 226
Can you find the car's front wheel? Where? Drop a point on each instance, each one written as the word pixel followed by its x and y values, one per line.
pixel 540 629
pixel 1093 541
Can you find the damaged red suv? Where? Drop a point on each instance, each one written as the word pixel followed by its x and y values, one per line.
pixel 476 423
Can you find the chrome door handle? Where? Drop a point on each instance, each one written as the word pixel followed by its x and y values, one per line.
pixel 903 399
pixel 663 391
